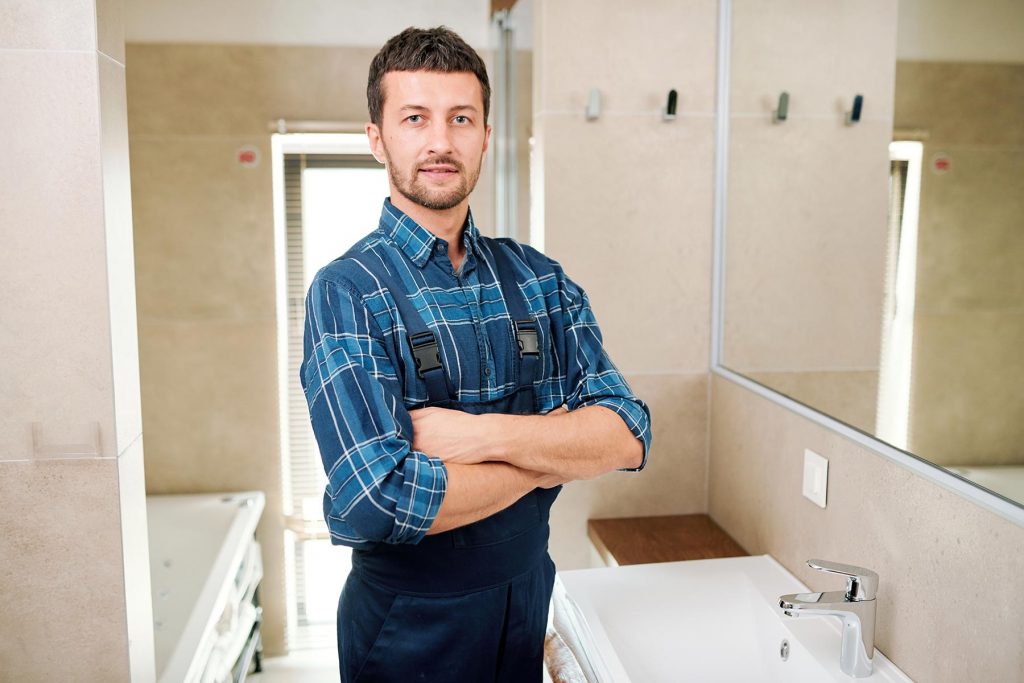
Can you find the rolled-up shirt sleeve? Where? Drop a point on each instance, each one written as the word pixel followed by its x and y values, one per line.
pixel 591 376
pixel 379 490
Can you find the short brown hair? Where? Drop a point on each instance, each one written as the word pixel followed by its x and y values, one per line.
pixel 419 49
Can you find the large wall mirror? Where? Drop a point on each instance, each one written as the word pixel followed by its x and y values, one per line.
pixel 874 259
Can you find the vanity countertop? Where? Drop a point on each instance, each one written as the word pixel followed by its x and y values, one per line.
pixel 673 538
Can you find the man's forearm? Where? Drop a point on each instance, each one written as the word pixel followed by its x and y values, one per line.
pixel 581 444
pixel 478 491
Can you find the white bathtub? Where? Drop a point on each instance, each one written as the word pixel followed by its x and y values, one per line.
pixel 203 560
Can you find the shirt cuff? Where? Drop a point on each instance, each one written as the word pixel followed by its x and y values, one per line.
pixel 423 496
pixel 637 417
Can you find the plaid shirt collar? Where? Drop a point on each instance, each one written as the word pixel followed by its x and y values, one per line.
pixel 417 242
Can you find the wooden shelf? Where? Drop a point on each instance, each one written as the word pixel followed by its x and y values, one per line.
pixel 641 540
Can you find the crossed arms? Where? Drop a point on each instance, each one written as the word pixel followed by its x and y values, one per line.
pixel 494 459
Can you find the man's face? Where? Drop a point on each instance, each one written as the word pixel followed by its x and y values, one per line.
pixel 432 135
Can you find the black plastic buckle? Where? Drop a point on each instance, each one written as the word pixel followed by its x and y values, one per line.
pixel 424 352
pixel 526 337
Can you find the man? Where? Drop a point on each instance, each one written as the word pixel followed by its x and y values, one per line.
pixel 454 382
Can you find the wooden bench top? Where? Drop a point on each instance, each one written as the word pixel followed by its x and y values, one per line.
pixel 641 540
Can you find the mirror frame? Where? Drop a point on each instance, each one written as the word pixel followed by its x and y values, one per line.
pixel 993 502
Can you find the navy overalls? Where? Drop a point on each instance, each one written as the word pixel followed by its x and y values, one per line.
pixel 469 604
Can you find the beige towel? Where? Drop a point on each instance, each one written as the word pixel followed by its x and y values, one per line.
pixel 560 661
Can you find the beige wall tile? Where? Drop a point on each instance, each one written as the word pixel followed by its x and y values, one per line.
pixel 672 482
pixel 965 103
pixel 55 335
pixel 822 53
pixel 524 131
pixel 273 593
pixel 966 399
pixel 970 237
pixel 923 540
pixel 627 211
pixel 482 200
pixel 63 574
pixel 237 89
pixel 633 57
pixel 34 25
pixel 204 231
pixel 207 435
pixel 806 243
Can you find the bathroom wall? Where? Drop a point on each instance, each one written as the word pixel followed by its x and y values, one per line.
pixel 966 400
pixel 74 574
pixel 626 205
pixel 204 240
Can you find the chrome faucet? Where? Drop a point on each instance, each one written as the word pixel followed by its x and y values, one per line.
pixel 856 607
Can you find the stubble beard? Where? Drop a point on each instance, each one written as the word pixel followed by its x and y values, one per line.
pixel 417 192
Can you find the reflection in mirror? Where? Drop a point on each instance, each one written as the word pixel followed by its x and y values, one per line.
pixel 874 269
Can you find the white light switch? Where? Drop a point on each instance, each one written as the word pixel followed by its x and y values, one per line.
pixel 815 477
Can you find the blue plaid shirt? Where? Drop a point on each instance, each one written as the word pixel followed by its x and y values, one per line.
pixel 360 379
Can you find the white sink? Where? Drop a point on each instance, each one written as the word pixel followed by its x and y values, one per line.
pixel 704 620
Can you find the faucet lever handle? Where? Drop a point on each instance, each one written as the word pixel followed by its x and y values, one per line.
pixel 861 583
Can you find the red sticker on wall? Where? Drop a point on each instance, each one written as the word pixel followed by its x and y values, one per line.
pixel 248 156
pixel 941 163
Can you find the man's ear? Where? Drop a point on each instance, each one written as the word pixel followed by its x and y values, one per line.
pixel 487 138
pixel 376 147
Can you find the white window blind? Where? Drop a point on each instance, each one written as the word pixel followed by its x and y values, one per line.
pixel 330 202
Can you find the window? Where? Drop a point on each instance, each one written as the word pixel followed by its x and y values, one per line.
pixel 328 193
pixel 892 418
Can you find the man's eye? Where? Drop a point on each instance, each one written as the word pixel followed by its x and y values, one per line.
pixel 415 118
pixel 461 119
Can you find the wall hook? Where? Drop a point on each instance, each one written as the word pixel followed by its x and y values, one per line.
pixel 780 114
pixel 669 112
pixel 853 116
pixel 593 104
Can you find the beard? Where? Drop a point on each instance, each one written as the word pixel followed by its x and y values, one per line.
pixel 415 190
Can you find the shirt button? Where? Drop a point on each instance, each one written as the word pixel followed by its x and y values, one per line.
pixel 440 247
pixel 487 372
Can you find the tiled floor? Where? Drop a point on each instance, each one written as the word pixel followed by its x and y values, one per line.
pixel 301 666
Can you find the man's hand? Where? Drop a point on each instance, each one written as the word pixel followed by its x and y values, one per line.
pixel 447 434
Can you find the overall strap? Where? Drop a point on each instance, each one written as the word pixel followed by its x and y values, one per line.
pixel 524 326
pixel 425 349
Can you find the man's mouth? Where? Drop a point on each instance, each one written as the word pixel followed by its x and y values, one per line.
pixel 439 171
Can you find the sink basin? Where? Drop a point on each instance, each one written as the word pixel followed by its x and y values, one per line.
pixel 702 620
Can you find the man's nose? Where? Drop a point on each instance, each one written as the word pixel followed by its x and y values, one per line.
pixel 440 141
